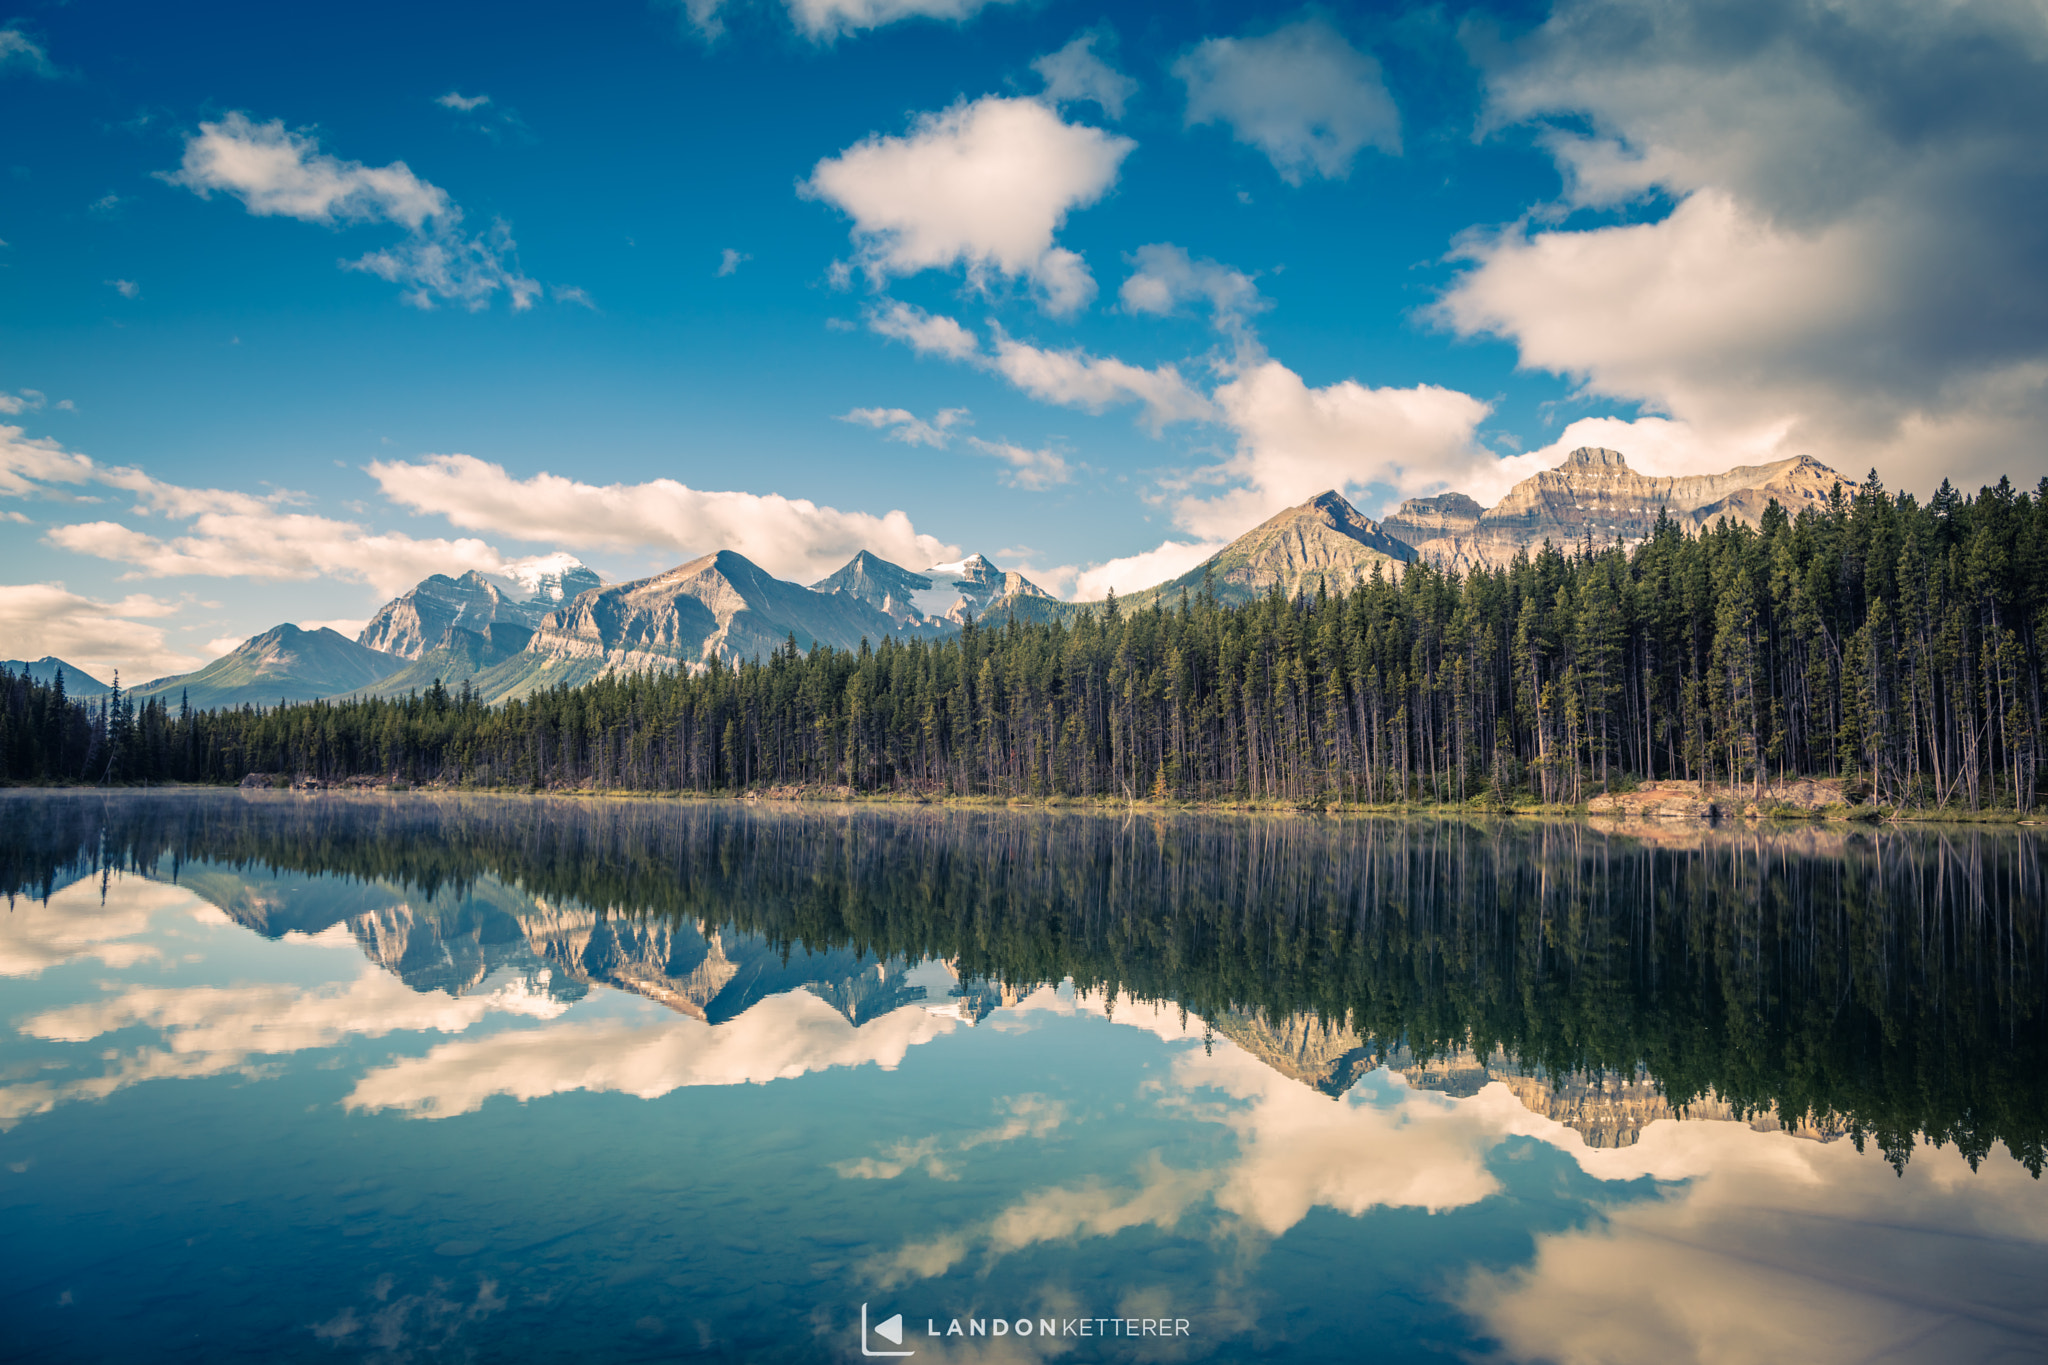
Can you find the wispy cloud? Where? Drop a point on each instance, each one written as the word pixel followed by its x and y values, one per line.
pixel 903 425
pixel 1166 279
pixel 19 52
pixel 1036 470
pixel 276 172
pixel 1301 94
pixel 925 333
pixel 1077 73
pixel 822 21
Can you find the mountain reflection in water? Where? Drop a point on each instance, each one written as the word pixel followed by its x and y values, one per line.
pixel 1876 984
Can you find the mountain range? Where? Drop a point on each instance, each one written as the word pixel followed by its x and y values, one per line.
pixel 489 936
pixel 556 622
pixel 1594 493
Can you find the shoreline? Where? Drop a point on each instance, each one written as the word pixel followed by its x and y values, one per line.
pixel 1719 815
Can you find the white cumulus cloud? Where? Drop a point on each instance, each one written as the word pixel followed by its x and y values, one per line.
pixel 1294 441
pixel 982 186
pixel 1302 94
pixel 792 538
pixel 98 636
pixel 272 546
pixel 1134 573
pixel 1852 256
pixel 277 172
pixel 229 534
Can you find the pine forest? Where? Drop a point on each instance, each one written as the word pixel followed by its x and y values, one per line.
pixel 1873 638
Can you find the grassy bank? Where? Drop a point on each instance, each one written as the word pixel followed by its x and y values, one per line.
pixel 1731 806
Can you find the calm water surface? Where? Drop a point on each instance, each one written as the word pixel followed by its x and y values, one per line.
pixel 424 1079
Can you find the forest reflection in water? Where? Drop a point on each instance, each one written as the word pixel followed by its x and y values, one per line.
pixel 1887 985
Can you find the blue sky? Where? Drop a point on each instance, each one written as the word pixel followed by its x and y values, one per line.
pixel 298 303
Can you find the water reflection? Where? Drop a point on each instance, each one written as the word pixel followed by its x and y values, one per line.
pixel 1558 1093
pixel 1882 983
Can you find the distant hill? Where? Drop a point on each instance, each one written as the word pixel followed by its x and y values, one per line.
pixel 1595 493
pixel 283 663
pixel 77 682
pixel 1324 541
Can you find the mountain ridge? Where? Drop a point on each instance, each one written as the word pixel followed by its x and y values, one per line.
pixel 1595 493
pixel 77 682
pixel 722 606
pixel 284 663
pixel 1324 541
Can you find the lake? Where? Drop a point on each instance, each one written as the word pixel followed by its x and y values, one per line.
pixel 436 1078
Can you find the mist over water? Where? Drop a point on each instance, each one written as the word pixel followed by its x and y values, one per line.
pixel 427 1078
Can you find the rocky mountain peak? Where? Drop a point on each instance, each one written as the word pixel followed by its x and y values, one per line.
pixel 1324 541
pixel 1332 511
pixel 722 606
pixel 971 586
pixel 548 579
pixel 440 609
pixel 1596 457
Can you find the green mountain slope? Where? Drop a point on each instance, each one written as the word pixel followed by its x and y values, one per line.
pixel 283 663
pixel 1324 541
pixel 77 682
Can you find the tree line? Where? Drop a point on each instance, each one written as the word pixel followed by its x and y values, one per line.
pixel 1870 637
